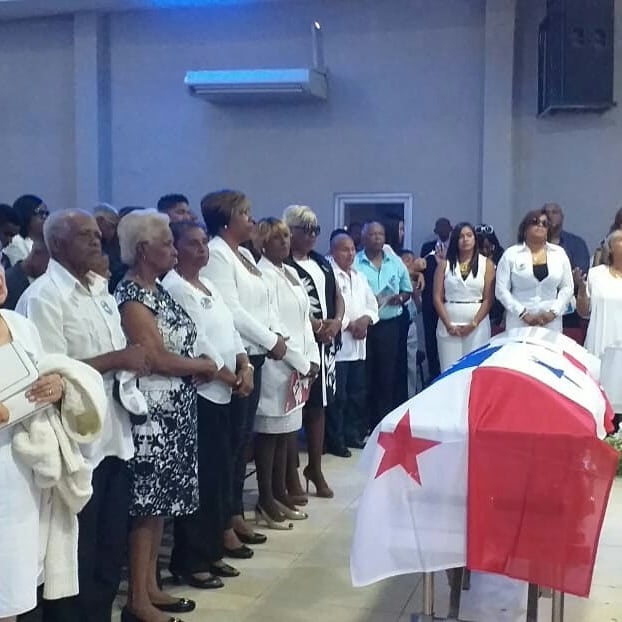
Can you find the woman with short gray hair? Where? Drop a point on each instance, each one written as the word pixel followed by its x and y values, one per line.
pixel 163 472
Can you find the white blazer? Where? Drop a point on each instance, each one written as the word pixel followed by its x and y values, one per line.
pixel 291 304
pixel 517 288
pixel 245 294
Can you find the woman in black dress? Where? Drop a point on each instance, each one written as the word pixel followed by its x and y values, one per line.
pixel 327 309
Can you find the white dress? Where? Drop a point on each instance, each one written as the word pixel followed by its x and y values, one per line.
pixel 604 332
pixel 463 298
pixel 19 503
pixel 290 302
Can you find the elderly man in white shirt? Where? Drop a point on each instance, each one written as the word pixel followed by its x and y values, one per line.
pixel 76 316
pixel 345 422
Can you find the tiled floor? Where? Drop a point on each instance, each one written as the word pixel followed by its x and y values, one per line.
pixel 303 575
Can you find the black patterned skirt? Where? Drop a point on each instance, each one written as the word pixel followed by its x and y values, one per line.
pixel 164 479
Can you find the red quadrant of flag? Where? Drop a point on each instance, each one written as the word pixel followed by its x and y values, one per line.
pixel 401 449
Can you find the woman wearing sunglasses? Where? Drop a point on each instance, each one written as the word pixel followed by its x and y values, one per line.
pixel 327 310
pixel 534 277
pixel 32 213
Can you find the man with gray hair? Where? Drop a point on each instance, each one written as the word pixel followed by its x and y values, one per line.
pixel 76 316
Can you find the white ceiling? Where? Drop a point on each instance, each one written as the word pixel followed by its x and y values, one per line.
pixel 19 9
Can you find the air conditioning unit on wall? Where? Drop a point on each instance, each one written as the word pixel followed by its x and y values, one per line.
pixel 245 86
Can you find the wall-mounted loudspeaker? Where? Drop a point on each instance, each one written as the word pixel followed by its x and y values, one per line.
pixel 575 56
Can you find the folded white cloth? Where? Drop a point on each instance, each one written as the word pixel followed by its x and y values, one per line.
pixel 49 444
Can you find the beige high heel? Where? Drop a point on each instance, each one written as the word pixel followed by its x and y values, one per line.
pixel 291 514
pixel 262 516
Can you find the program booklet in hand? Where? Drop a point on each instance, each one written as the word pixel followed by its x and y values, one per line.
pixel 297 391
pixel 18 374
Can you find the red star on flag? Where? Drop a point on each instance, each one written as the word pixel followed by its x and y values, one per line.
pixel 401 449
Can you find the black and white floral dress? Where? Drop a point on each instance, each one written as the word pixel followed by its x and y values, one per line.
pixel 163 471
pixel 318 279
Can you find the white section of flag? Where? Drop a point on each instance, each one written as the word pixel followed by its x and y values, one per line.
pixel 403 527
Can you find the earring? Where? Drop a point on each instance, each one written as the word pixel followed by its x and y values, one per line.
pixel 226 227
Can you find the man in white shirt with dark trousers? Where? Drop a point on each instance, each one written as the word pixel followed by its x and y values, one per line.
pixel 346 422
pixel 76 316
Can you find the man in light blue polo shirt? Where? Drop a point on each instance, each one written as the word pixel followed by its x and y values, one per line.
pixel 390 283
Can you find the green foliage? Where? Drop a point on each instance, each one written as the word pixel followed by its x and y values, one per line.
pixel 616 442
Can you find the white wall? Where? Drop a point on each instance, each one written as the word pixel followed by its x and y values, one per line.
pixel 36 110
pixel 404 112
pixel 575 160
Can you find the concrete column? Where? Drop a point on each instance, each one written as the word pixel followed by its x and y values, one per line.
pixel 497 154
pixel 92 109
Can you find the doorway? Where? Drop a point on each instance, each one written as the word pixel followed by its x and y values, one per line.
pixel 359 208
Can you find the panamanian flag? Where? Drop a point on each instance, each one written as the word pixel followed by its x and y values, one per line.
pixel 498 466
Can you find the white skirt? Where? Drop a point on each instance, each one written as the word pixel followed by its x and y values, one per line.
pixel 19 533
pixel 452 349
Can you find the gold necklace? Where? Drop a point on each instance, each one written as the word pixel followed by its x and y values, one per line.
pixel 465 268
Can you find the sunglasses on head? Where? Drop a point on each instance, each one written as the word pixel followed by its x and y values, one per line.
pixel 488 229
pixel 309 229
pixel 541 222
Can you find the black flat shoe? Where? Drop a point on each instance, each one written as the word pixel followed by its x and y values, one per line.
pixel 209 583
pixel 242 552
pixel 251 538
pixel 341 452
pixel 128 616
pixel 183 605
pixel 357 444
pixel 224 570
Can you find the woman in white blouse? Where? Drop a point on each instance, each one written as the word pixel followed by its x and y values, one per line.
pixel 19 495
pixel 199 537
pixel 233 271
pixel 534 277
pixel 463 296
pixel 279 417
pixel 600 298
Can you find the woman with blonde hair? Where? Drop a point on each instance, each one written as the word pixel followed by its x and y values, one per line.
pixel 615 226
pixel 599 298
pixel 277 420
pixel 163 472
pixel 327 311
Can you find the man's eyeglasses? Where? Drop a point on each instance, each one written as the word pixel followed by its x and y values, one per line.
pixel 539 222
pixel 41 211
pixel 487 229
pixel 309 229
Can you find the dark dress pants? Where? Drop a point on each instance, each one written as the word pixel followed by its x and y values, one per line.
pixel 243 411
pixel 101 548
pixel 350 401
pixel 382 348
pixel 199 540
